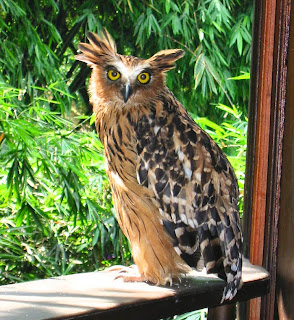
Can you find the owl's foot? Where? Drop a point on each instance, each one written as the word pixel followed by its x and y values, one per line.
pixel 128 274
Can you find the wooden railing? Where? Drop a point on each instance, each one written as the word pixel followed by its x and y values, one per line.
pixel 98 295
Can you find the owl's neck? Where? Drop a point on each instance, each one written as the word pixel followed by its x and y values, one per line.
pixel 110 114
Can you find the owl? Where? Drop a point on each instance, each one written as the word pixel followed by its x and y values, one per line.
pixel 174 192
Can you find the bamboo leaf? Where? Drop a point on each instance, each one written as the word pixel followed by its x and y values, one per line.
pixel 176 24
pixel 167 6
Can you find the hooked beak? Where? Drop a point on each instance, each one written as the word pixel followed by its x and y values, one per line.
pixel 126 92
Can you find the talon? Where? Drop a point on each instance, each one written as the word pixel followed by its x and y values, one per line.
pixel 130 278
pixel 128 274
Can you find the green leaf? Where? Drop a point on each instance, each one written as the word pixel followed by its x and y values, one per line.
pixel 231 110
pixel 167 6
pixel 244 76
pixel 204 122
pixel 95 237
pixel 176 24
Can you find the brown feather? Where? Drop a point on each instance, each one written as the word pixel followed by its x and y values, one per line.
pixel 138 216
pixel 99 51
pixel 165 60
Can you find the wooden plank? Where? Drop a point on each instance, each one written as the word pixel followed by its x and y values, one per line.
pixel 97 295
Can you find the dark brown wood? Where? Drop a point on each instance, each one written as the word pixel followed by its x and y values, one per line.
pixel 258 129
pixel 265 141
pixel 227 312
pixel 262 134
pixel 280 69
pixel 285 263
pixel 97 295
pixel 258 139
pixel 252 124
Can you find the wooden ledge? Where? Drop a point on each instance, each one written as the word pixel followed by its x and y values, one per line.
pixel 97 295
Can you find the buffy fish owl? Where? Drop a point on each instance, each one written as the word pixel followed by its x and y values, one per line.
pixel 174 192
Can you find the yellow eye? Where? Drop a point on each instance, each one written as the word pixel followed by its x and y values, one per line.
pixel 113 74
pixel 144 77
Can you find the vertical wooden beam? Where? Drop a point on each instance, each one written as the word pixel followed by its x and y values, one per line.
pixel 258 129
pixel 265 138
pixel 262 145
pixel 258 136
pixel 280 73
pixel 262 134
pixel 252 124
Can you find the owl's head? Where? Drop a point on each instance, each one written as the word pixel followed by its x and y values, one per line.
pixel 124 79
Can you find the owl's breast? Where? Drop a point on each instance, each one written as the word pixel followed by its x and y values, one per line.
pixel 117 134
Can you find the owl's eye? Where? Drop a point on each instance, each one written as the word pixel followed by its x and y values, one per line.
pixel 144 77
pixel 113 75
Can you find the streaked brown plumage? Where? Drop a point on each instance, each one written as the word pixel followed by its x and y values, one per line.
pixel 174 191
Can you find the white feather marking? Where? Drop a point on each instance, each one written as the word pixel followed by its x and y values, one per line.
pixel 162 213
pixel 184 218
pixel 198 176
pixel 222 237
pixel 117 179
pixel 179 232
pixel 130 73
pixel 233 267
pixel 138 178
pixel 178 250
pixel 181 155
pixel 230 277
pixel 195 223
pixel 174 218
pixel 156 129
pixel 188 171
pixel 228 295
pixel 191 223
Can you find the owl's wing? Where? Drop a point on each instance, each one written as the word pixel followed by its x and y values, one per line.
pixel 195 190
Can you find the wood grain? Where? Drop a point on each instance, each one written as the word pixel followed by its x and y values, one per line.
pixel 98 295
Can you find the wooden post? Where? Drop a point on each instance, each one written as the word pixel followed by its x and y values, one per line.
pixel 265 140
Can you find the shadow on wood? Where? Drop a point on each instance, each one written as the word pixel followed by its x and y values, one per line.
pixel 97 295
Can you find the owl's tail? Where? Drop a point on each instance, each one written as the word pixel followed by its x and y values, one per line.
pixel 224 258
pixel 233 270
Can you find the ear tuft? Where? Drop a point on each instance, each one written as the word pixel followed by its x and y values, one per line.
pixel 99 49
pixel 165 59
